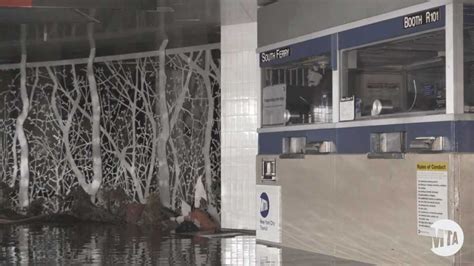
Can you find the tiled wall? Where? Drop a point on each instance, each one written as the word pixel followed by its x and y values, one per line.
pixel 240 250
pixel 240 99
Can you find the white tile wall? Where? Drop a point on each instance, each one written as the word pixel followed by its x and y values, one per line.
pixel 240 100
pixel 240 250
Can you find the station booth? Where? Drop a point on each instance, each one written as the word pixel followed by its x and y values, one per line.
pixel 366 137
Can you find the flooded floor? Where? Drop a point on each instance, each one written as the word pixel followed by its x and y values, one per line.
pixel 96 244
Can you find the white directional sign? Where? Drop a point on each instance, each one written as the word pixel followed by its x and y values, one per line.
pixel 268 213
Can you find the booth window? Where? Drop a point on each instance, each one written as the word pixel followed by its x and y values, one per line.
pixel 298 92
pixel 469 58
pixel 397 77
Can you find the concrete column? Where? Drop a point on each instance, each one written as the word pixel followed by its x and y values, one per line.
pixel 240 86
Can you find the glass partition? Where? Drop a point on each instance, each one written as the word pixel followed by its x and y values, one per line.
pixel 469 58
pixel 396 77
pixel 299 92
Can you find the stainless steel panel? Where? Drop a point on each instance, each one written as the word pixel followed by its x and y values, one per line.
pixel 351 207
pixel 387 142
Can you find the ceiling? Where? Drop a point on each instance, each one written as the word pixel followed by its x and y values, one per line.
pixel 57 29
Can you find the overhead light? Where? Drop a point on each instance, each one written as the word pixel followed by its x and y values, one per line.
pixel 90 18
pixel 162 9
pixel 265 2
pixel 425 63
pixel 188 20
pixel 45 33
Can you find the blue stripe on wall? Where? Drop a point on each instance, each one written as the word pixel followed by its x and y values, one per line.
pixel 302 50
pixel 464 136
pixel 356 140
pixel 379 31
pixel 384 30
pixel 271 143
pixel 468 15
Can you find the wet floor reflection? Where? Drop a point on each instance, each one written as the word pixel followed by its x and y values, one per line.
pixel 95 244
pixel 244 250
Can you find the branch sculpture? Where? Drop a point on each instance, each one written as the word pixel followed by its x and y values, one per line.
pixel 148 123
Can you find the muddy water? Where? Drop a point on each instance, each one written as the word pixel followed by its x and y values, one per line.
pixel 95 244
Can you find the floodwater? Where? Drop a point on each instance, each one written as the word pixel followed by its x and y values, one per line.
pixel 98 244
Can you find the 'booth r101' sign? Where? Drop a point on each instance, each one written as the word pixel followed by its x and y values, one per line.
pixel 422 18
